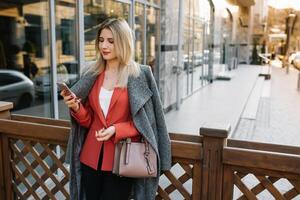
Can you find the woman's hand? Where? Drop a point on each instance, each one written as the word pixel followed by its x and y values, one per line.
pixel 71 101
pixel 105 134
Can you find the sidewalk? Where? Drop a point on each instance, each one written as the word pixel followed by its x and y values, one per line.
pixel 278 114
pixel 220 102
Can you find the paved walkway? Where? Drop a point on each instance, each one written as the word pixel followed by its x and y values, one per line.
pixel 220 102
pixel 278 115
pixel 258 109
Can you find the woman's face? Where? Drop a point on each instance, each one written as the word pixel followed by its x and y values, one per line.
pixel 106 45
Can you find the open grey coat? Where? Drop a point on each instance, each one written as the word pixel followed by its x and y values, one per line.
pixel 148 117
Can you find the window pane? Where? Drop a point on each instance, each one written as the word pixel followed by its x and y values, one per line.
pixel 67 61
pixel 24 52
pixel 188 46
pixel 139 25
pixel 198 41
pixel 157 2
pixel 195 45
pixel 96 12
pixel 152 37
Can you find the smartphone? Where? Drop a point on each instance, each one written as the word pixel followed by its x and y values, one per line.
pixel 63 86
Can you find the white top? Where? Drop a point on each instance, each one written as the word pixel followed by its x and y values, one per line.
pixel 104 99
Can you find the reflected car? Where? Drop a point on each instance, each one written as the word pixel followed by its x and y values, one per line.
pixel 42 84
pixel 197 59
pixel 188 61
pixel 17 88
pixel 296 60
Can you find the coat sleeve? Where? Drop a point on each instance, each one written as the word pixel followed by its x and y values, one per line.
pixel 84 115
pixel 125 130
pixel 164 144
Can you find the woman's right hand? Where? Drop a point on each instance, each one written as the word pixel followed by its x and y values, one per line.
pixel 71 101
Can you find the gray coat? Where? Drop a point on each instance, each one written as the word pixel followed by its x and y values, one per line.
pixel 148 117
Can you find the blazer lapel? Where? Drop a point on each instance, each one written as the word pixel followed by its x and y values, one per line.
pixel 138 92
pixel 95 99
pixel 116 94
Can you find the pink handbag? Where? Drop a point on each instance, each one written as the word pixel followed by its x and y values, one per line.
pixel 135 159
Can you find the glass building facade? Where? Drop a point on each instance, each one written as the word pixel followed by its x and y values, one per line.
pixel 45 41
pixel 36 35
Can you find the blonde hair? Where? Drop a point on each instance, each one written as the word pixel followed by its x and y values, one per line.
pixel 124 47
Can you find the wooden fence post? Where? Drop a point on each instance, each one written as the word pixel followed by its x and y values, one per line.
pixel 214 140
pixel 5 108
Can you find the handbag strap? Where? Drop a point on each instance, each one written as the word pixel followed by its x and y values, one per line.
pixel 128 144
pixel 150 167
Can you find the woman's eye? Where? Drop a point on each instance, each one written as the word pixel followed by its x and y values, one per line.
pixel 111 41
pixel 101 39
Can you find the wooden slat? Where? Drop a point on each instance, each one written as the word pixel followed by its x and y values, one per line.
pixel 34 164
pixel 269 186
pixel 228 183
pixel 291 194
pixel 40 120
pixel 163 194
pixel 7 170
pixel 2 188
pixel 273 177
pixel 55 159
pixel 243 188
pixel 186 137
pixel 24 181
pixel 261 159
pixel 263 146
pixel 259 187
pixel 272 173
pixel 186 150
pixel 197 176
pixel 177 184
pixel 187 168
pixel 184 160
pixel 33 130
pixel 182 179
pixel 18 194
pixel 5 106
pixel 33 173
pixel 46 168
pixel 296 184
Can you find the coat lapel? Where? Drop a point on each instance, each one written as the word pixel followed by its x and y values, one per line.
pixel 84 85
pixel 138 92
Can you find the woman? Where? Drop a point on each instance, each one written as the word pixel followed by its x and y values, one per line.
pixel 119 99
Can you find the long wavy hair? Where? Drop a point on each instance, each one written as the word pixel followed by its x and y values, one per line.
pixel 124 47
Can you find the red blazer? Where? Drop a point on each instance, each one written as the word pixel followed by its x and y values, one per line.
pixel 91 116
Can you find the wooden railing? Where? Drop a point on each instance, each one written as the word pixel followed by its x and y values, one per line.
pixel 210 166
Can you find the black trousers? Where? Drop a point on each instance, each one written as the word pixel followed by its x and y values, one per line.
pixel 104 185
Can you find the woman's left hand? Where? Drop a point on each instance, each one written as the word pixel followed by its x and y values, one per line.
pixel 105 134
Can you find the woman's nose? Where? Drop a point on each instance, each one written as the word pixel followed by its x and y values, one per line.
pixel 104 45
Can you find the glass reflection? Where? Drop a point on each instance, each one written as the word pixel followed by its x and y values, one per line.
pixel 195 56
pixel 139 27
pixel 24 54
pixel 152 30
pixel 67 62
pixel 94 13
pixel 157 2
